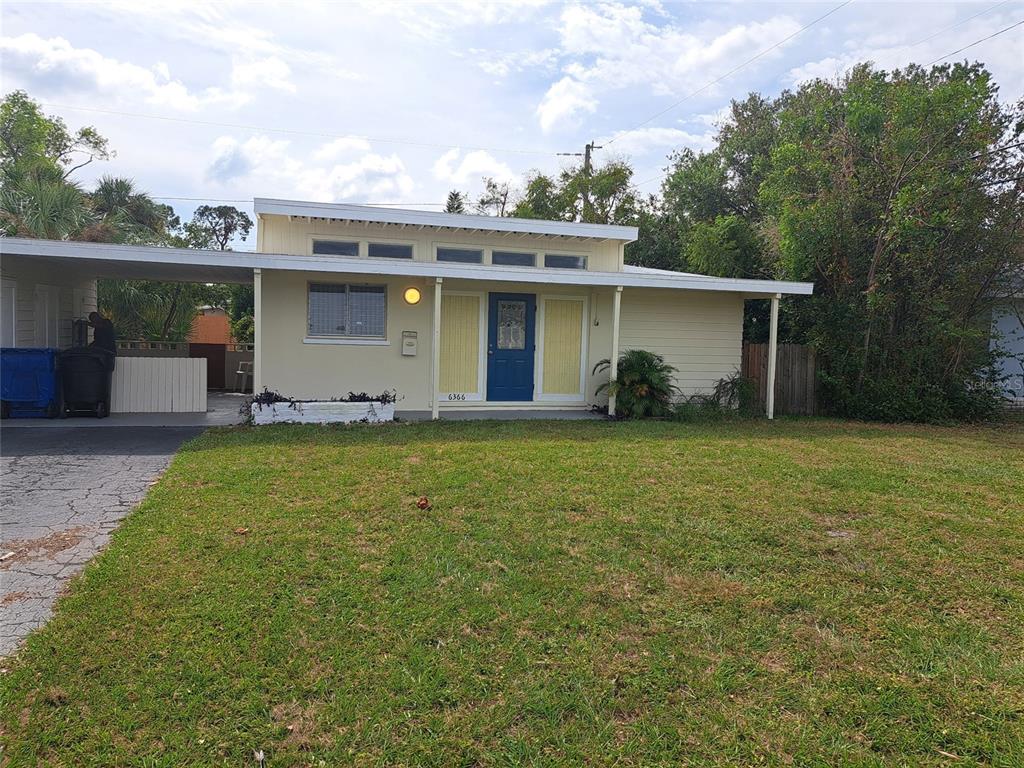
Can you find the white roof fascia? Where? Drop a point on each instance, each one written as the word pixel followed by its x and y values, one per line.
pixel 369 213
pixel 399 267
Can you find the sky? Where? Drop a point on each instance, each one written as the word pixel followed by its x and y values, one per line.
pixel 399 102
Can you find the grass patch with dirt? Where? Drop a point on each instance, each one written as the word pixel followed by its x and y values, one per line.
pixel 744 593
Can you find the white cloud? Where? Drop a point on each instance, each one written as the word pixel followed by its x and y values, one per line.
pixel 644 140
pixel 612 47
pixel 332 150
pixel 53 66
pixel 563 102
pixel 436 21
pixel 269 166
pixel 887 50
pixel 501 64
pixel 474 166
pixel 270 72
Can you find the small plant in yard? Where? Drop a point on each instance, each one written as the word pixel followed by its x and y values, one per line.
pixel 732 396
pixel 643 385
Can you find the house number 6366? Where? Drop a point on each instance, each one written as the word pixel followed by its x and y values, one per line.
pixel 457 396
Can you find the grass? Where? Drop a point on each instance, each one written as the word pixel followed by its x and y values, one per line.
pixel 797 593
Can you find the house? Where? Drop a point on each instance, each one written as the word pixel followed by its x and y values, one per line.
pixel 1007 340
pixel 454 311
pixel 211 326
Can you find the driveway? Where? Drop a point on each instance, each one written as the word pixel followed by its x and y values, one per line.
pixel 64 490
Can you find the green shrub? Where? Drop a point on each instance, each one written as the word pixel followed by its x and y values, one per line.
pixel 643 386
pixel 732 396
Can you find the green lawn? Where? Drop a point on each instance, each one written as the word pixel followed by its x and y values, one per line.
pixel 797 593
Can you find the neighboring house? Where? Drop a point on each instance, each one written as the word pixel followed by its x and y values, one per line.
pixel 211 326
pixel 1008 339
pixel 451 310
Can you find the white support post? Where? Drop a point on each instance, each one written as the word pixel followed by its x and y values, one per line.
pixel 435 352
pixel 773 347
pixel 257 338
pixel 613 372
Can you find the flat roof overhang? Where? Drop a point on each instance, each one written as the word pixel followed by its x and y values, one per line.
pixel 134 262
pixel 144 262
pixel 451 222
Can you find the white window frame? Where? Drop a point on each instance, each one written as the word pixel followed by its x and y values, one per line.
pixel 9 300
pixel 444 398
pixel 538 387
pixel 370 341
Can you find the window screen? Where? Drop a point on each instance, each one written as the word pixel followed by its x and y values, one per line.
pixel 390 251
pixel 461 255
pixel 347 310
pixel 559 261
pixel 335 248
pixel 514 259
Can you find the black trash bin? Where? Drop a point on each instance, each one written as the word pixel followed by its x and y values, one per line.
pixel 85 374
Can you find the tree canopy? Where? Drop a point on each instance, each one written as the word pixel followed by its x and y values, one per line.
pixel 38 154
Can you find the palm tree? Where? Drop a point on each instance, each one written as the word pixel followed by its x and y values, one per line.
pixel 129 215
pixel 643 384
pixel 38 205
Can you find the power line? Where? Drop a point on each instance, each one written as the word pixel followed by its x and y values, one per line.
pixel 976 42
pixel 249 200
pixel 919 42
pixel 295 132
pixel 957 24
pixel 734 70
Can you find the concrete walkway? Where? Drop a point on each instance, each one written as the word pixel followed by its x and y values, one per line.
pixel 221 411
pixel 64 490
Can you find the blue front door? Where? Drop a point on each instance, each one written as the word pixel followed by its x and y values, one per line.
pixel 510 346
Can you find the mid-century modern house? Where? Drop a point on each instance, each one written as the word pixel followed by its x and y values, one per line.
pixel 452 311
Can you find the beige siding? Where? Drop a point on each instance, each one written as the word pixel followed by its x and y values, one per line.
pixel 323 370
pixel 278 234
pixel 460 344
pixel 700 333
pixel 563 345
pixel 68 284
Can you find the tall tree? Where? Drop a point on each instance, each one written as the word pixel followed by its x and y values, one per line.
pixel 612 197
pixel 496 199
pixel 215 226
pixel 456 202
pixel 30 140
pixel 900 195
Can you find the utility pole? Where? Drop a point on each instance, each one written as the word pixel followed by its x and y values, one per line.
pixel 588 210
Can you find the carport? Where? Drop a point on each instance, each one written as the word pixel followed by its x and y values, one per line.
pixel 48 284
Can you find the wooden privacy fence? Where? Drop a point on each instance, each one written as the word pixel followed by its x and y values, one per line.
pixel 796 377
pixel 158 385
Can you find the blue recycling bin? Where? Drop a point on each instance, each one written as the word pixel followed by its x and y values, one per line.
pixel 30 383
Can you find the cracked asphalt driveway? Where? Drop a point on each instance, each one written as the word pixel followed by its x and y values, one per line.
pixel 64 490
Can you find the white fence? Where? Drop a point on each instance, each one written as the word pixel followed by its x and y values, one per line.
pixel 159 385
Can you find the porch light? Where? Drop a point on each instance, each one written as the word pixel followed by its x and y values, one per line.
pixel 412 295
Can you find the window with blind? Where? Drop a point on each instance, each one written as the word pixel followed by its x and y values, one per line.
pixel 349 311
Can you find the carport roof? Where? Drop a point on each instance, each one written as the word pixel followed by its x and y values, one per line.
pixel 146 262
pixel 137 262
